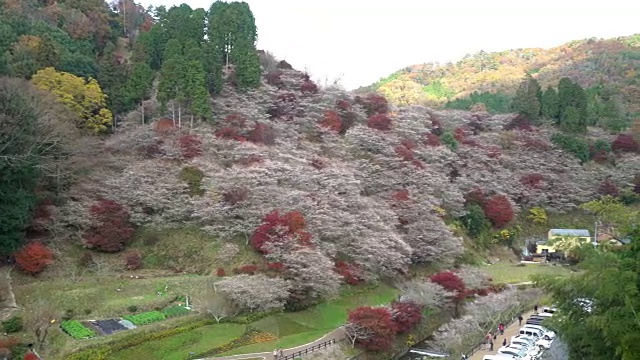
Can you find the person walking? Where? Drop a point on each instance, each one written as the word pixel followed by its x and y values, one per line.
pixel 275 354
pixel 280 354
pixel 490 345
pixel 535 308
pixel 519 320
pixel 501 328
pixel 504 342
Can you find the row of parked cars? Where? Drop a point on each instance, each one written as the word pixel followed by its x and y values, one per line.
pixel 530 342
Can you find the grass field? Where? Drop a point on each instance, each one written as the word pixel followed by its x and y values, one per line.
pixel 503 272
pixel 178 347
pixel 293 329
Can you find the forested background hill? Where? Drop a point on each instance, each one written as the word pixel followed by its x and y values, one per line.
pixel 598 65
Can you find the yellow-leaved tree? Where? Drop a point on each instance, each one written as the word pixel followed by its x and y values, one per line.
pixel 84 98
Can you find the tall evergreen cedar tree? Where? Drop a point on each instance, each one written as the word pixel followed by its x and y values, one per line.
pixel 527 99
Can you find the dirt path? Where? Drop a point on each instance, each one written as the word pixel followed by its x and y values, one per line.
pixel 7 299
pixel 336 335
pixel 511 330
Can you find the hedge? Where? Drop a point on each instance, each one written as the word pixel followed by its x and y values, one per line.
pixel 175 311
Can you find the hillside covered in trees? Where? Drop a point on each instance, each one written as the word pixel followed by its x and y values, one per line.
pixel 610 65
pixel 161 143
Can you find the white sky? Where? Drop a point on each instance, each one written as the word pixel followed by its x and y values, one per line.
pixel 360 41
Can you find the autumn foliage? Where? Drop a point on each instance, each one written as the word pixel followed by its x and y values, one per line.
pixel 33 258
pixel 276 228
pixel 31 356
pixel 379 324
pixel 608 188
pixel 349 272
pixel 624 143
pixel 112 229
pixel 380 122
pixel 450 281
pixel 331 121
pixel 532 180
pixel 190 146
pixel 406 315
pixel 499 211
pixel 262 134
pixel 373 104
pixel 133 261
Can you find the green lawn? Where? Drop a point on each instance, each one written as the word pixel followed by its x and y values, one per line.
pixel 299 328
pixel 515 273
pixel 178 347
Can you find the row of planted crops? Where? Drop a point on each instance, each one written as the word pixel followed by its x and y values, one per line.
pixel 79 330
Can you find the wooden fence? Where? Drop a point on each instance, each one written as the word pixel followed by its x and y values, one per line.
pixel 308 350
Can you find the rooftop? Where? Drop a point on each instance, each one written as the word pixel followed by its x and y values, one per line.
pixel 569 232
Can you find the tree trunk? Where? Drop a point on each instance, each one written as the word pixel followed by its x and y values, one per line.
pixel 191 125
pixel 142 110
pixel 173 112
pixel 179 116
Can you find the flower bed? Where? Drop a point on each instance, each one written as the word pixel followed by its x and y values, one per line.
pixel 145 317
pixel 76 330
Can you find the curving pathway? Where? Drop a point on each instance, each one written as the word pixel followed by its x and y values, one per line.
pixel 337 335
pixel 7 299
pixel 509 331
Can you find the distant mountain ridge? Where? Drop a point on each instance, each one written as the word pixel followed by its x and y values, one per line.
pixel 614 63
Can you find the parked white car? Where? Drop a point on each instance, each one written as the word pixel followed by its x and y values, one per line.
pixel 536 332
pixel 519 354
pixel 532 350
pixel 498 357
pixel 545 331
pixel 542 343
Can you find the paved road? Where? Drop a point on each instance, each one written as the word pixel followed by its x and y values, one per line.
pixel 511 330
pixel 336 335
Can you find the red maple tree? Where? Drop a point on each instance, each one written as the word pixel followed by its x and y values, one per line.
pixel 349 272
pixel 373 104
pixel 31 356
pixel 379 324
pixel 624 143
pixel 331 121
pixel 450 281
pixel 406 315
pixel 33 258
pixel 379 122
pixel 190 146
pixel 499 211
pixel 112 229
pixel 276 228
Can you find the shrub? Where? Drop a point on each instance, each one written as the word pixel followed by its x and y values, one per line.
pixel 449 139
pixel 9 342
pixel 190 146
pixel 406 315
pixel 532 181
pixel 318 164
pixel 574 145
pixel 229 134
pixel 274 77
pixel 624 143
pixel 262 134
pixel 474 221
pixel 499 211
pixel 475 196
pixel 284 65
pixel 133 261
pixel 132 308
pixel 175 311
pixel 220 272
pixel 608 188
pixel 349 272
pixel 33 258
pixel 112 230
pixel 76 330
pixel 31 356
pixel 193 177
pixel 246 269
pixel 331 121
pixel 343 105
pixel 308 86
pixel 235 195
pixel 13 325
pixel 401 195
pixel 373 104
pixel 378 322
pixel 379 122
pixel 145 317
pixel 520 122
pixel 431 139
